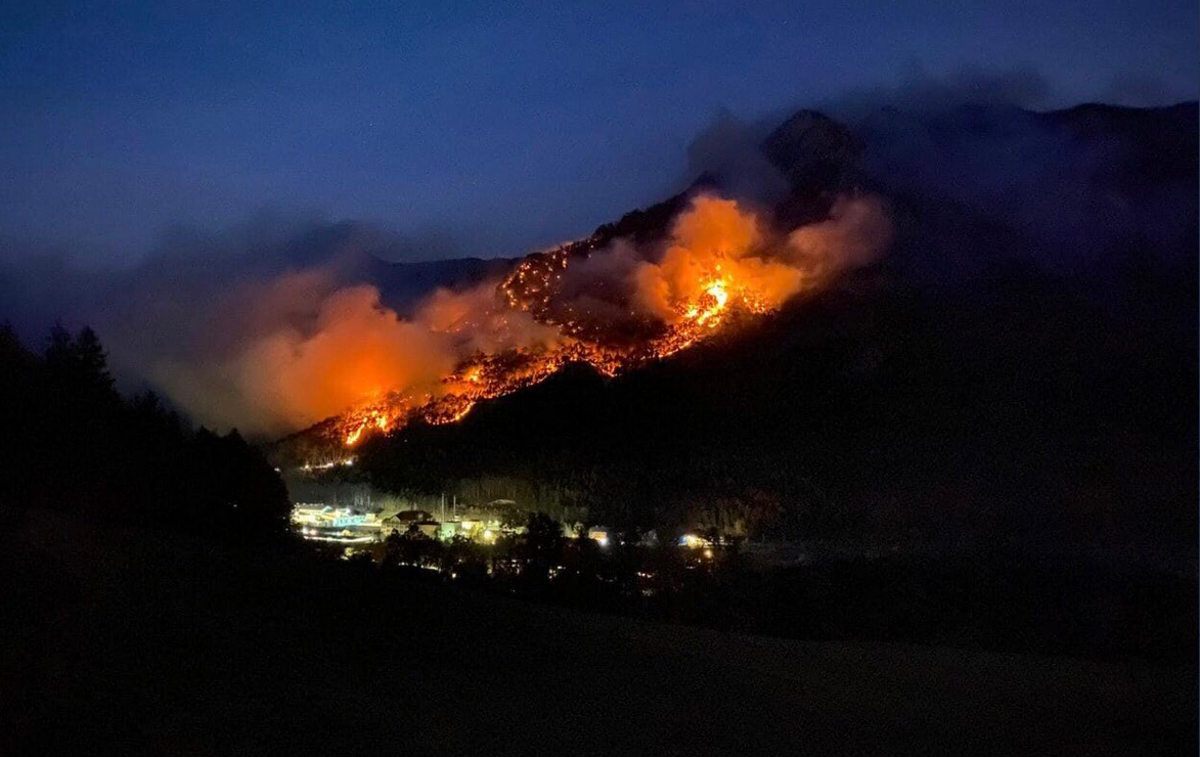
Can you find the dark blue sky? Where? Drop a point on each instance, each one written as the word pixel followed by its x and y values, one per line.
pixel 511 124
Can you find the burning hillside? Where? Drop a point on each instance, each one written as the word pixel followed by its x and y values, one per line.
pixel 613 307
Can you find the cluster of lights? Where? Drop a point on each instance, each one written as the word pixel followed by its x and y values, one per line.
pixel 345 462
pixel 343 537
pixel 692 541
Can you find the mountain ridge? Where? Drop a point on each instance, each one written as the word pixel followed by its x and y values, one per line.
pixel 970 382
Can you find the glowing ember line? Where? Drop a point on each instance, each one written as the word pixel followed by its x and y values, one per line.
pixel 488 376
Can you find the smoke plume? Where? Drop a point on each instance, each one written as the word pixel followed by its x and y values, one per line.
pixel 260 343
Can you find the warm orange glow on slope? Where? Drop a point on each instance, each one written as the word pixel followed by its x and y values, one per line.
pixel 611 308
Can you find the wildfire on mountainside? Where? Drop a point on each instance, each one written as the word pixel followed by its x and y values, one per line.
pixel 613 308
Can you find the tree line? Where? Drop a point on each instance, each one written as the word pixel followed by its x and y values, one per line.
pixel 75 444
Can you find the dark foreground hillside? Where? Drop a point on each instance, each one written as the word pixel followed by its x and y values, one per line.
pixel 127 641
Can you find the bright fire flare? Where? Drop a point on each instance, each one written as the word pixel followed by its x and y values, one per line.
pixel 710 305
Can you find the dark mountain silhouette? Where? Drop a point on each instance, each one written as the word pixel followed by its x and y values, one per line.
pixel 1022 364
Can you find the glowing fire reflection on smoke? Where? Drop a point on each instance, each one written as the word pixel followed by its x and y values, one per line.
pixel 615 307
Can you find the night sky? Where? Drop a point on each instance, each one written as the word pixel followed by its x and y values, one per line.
pixel 500 126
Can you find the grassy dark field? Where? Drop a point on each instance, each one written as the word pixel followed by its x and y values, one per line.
pixel 125 641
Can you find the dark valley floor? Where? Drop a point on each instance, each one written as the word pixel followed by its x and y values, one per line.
pixel 135 642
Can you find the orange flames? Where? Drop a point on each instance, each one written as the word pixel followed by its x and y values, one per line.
pixel 716 263
pixel 613 307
